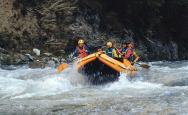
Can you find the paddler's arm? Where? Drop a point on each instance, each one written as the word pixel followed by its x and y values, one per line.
pixel 114 53
pixel 118 52
pixel 136 57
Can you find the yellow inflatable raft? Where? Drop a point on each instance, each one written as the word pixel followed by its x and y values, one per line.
pixel 100 68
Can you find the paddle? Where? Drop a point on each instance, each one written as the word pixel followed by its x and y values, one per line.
pixel 143 65
pixel 61 67
pixel 140 64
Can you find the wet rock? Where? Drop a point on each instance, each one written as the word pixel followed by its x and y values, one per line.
pixel 30 58
pixel 3 58
pixel 50 61
pixel 56 60
pixel 56 25
pixel 2 50
pixel 13 59
pixel 36 64
pixel 173 47
pixel 36 51
pixel 8 67
pixel 48 54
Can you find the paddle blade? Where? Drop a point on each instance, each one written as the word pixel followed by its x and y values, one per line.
pixel 145 66
pixel 61 67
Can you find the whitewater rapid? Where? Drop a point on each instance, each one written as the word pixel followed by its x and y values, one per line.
pixel 25 82
pixel 164 84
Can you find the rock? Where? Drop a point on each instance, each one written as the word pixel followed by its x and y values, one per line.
pixel 30 58
pixel 55 25
pixel 2 50
pixel 173 50
pixel 17 59
pixel 3 58
pixel 8 67
pixel 51 63
pixel 56 60
pixel 13 59
pixel 36 51
pixel 36 64
pixel 48 54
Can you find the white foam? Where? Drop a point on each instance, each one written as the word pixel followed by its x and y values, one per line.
pixel 23 83
pixel 124 83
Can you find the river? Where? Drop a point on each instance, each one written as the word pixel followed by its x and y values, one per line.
pixel 163 89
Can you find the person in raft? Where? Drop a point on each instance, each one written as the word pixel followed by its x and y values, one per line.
pixel 129 53
pixel 111 51
pixel 81 50
pixel 123 49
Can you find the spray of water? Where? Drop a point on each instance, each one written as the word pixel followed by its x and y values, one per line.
pixel 125 83
pixel 25 82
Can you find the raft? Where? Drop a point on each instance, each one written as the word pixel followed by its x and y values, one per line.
pixel 100 68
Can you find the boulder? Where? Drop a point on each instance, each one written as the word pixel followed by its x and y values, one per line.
pixel 36 64
pixel 36 51
pixel 48 54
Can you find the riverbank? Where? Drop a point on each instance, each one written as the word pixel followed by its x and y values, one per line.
pixel 53 27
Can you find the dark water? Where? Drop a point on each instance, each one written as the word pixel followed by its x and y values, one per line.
pixel 163 89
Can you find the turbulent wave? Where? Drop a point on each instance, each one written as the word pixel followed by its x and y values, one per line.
pixel 125 83
pixel 26 83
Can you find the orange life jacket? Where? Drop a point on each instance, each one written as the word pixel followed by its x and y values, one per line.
pixel 82 52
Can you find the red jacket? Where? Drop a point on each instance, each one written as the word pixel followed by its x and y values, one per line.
pixel 82 52
pixel 128 53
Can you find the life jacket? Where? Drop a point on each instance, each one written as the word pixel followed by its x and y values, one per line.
pixel 112 52
pixel 109 52
pixel 82 52
pixel 128 55
pixel 123 51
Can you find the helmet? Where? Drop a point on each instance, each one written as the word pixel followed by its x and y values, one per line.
pixel 109 44
pixel 81 41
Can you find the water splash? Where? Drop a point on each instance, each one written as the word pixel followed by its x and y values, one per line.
pixel 25 83
pixel 45 90
pixel 125 83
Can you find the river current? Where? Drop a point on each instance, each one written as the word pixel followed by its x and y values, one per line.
pixel 162 89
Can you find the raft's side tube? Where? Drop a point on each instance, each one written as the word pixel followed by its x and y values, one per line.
pixel 86 60
pixel 112 63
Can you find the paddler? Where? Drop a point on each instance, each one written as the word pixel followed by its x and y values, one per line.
pixel 81 50
pixel 124 49
pixel 111 51
pixel 129 53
